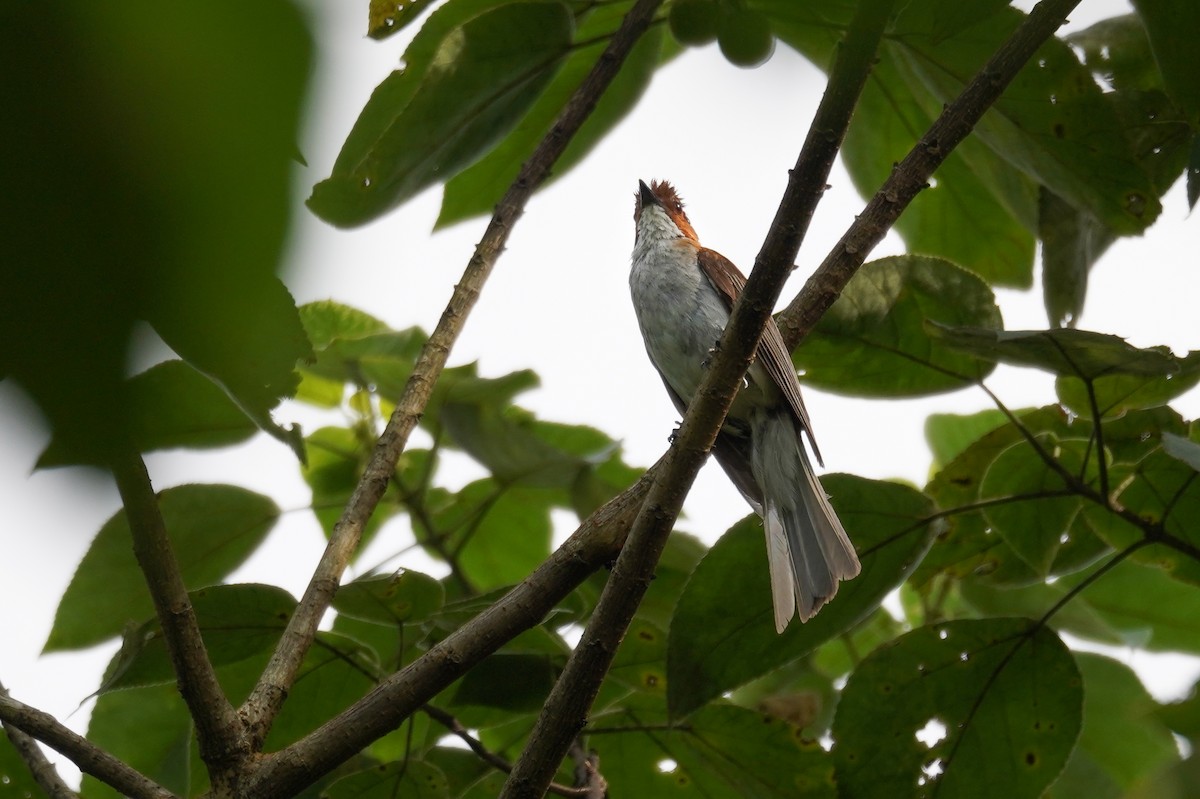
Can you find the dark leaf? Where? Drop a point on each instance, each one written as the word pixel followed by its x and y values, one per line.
pixel 407 779
pixel 1168 23
pixel 874 341
pixel 15 778
pixel 461 90
pixel 722 635
pixel 1072 240
pixel 385 17
pixel 979 685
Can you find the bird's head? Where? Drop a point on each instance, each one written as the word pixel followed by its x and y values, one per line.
pixel 658 211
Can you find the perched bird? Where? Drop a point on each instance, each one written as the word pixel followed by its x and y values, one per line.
pixel 683 294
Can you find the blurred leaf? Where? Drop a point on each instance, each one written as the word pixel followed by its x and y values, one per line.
pixel 949 434
pixel 874 340
pixel 393 599
pixel 477 189
pixel 1114 703
pixel 460 91
pixel 385 17
pixel 1072 240
pixel 725 751
pixel 151 182
pixel 1182 449
pixel 212 529
pixel 236 621
pixel 15 777
pixel 172 405
pixel 982 685
pixel 408 779
pixel 722 635
pixel 1193 173
pixel 1119 393
pixel 1076 353
pixel 1166 22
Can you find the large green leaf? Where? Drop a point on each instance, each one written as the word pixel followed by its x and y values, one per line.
pixel 1053 122
pixel 477 189
pixel 723 752
pixel 1114 703
pixel 452 101
pixel 392 599
pixel 949 434
pixel 236 621
pixel 149 180
pixel 1005 696
pixel 172 405
pixel 874 340
pixel 722 635
pixel 212 529
pixel 1117 394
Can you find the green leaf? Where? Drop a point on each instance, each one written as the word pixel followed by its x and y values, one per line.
pixel 15 777
pixel 874 340
pixel 1182 449
pixel 408 779
pixel 477 189
pixel 722 635
pixel 498 535
pixel 725 751
pixel 212 529
pixel 1076 353
pixel 949 434
pixel 1072 240
pixel 172 405
pixel 1052 122
pixel 1044 523
pixel 516 683
pixel 337 457
pixel 1165 21
pixel 983 685
pixel 386 17
pixel 1114 703
pixel 236 622
pixel 446 108
pixel 1120 393
pixel 173 208
pixel 393 599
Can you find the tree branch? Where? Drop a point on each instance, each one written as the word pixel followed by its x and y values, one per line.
pixel 494 760
pixel 913 173
pixel 218 731
pixel 594 544
pixel 20 718
pixel 43 771
pixel 565 711
pixel 264 702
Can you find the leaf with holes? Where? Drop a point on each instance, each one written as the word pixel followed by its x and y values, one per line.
pixel 1004 696
pixel 722 634
pixel 874 340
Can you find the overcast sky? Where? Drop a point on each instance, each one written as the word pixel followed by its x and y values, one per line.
pixel 558 304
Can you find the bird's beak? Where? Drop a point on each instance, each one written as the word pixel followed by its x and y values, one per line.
pixel 645 195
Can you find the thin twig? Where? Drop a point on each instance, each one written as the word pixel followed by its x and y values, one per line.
pixel 40 768
pixel 913 173
pixel 264 702
pixel 565 711
pixel 91 759
pixel 218 731
pixel 455 727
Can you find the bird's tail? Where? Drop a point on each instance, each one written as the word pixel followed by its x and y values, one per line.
pixel 808 551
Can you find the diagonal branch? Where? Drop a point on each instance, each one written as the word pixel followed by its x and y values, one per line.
pixel 23 722
pixel 43 771
pixel 913 173
pixel 565 711
pixel 217 728
pixel 595 543
pixel 264 702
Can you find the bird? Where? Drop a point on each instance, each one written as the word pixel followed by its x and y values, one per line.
pixel 683 294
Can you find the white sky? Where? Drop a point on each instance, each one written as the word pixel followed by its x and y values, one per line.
pixel 558 303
